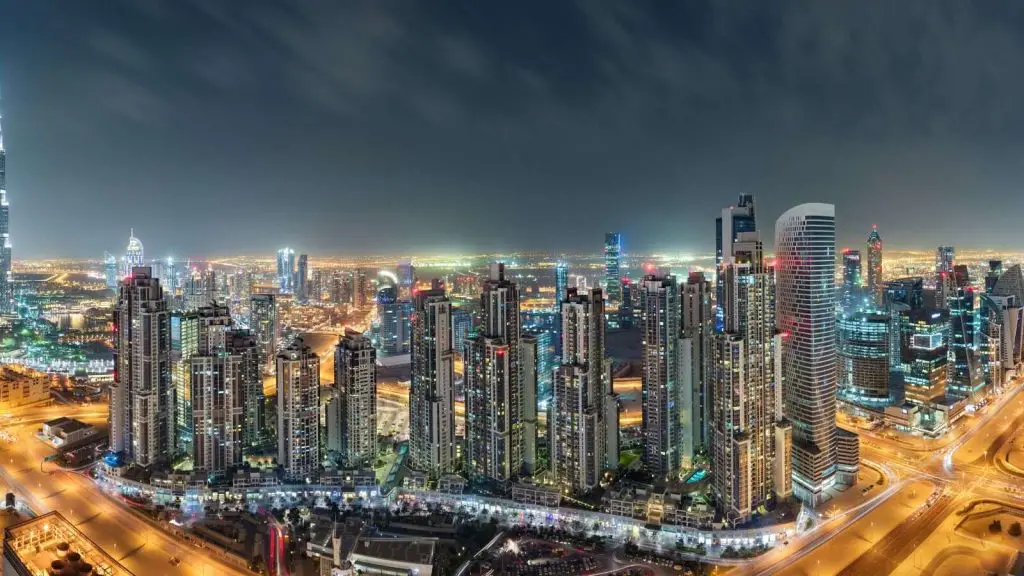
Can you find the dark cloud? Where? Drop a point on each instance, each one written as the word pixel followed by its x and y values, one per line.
pixel 235 127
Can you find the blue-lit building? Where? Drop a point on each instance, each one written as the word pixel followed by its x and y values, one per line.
pixel 864 359
pixel 544 326
pixel 966 378
pixel 394 316
pixel 110 270
pixel 924 354
pixel 462 329
pixel 851 296
pixel 546 363
pixel 285 270
pixel 561 282
pixel 613 267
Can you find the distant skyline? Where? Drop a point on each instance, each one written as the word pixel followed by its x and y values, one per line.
pixel 390 128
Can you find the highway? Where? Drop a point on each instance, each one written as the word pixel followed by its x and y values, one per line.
pixel 142 548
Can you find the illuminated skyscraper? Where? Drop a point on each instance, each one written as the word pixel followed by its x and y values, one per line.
pixel 432 384
pixel 354 434
pixel 191 334
pixel 966 378
pixel 394 316
pixel 579 428
pixel 875 266
pixel 406 279
pixel 110 270
pixel 864 358
pixel 298 411
pixel 265 326
pixel 851 291
pixel 286 270
pixel 134 256
pixel 744 384
pixel 244 345
pixel 494 394
pixel 142 425
pixel 613 267
pixel 462 329
pixel 805 251
pixel 659 321
pixel 6 285
pixel 925 354
pixel 695 358
pixel 733 221
pixel 301 277
pixel 220 379
pixel 561 282
pixel 945 257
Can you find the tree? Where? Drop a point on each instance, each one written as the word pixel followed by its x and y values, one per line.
pixel 1015 529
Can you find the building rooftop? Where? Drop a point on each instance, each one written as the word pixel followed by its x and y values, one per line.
pixel 408 550
pixel 49 541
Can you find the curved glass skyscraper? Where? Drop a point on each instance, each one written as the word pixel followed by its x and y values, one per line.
pixel 805 252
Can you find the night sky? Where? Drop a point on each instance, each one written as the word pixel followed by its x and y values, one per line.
pixel 217 128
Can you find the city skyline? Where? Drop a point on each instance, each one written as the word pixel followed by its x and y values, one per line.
pixel 641 116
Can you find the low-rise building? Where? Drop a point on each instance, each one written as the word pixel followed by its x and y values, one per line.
pixel 49 544
pixel 536 494
pixel 63 431
pixel 451 484
pixel 21 386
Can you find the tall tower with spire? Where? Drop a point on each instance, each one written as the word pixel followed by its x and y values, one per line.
pixel 6 286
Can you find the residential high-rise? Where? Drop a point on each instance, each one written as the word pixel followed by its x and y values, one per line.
pixel 354 433
pixel 432 383
pixel 528 370
pixel 695 357
pixel 733 221
pixel 744 383
pixel 6 285
pixel 301 277
pixel 264 324
pixel 578 446
pixel 659 322
pixel 244 349
pixel 613 267
pixel 851 291
pixel 493 384
pixel 298 411
pixel 805 252
pixel 191 334
pixel 875 266
pixel 220 379
pixel 945 257
pixel 285 270
pixel 864 358
pixel 142 425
